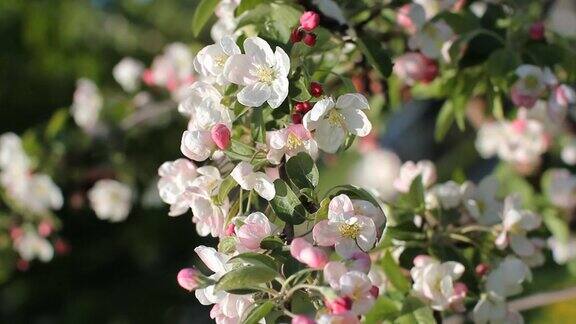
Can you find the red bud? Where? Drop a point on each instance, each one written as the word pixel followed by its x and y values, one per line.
pixel 309 39
pixel 316 89
pixel 221 136
pixel 296 35
pixel 297 118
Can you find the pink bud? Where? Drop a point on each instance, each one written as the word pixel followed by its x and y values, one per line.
pixel 314 257
pixel 405 20
pixel 316 89
pixel 230 229
pixel 460 289
pixel 309 20
pixel 309 39
pixel 188 278
pixel 221 136
pixel 148 77
pixel 482 269
pixel 361 262
pixel 302 319
pixel 44 229
pixel 519 125
pixel 375 291
pixel 340 305
pixel 537 31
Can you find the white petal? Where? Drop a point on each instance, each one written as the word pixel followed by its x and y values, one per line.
pixel 214 260
pixel 357 122
pixel 259 51
pixel 243 173
pixel 197 145
pixel 352 101
pixel 282 62
pixel 229 46
pixel 279 92
pixel 237 69
pixel 254 95
pixel 329 137
pixel 320 108
pixel 263 186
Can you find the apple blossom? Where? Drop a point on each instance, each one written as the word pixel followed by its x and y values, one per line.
pixel 32 246
pixel 411 17
pixel 226 24
pixel 208 216
pixel 493 310
pixel 210 60
pixel 346 318
pixel 431 38
pixel 43 194
pixel 175 177
pixel 561 189
pixel 414 67
pixel 347 231
pixel 304 252
pixel 12 154
pixel 437 283
pixel 111 200
pixel 516 222
pixel 128 73
pixel 332 121
pixel 568 153
pixel 244 174
pixel 87 104
pixel 302 319
pixel 263 74
pixel 531 84
pixel 563 251
pixel 290 141
pixel 481 200
pixel 376 171
pixel 507 278
pixel 255 227
pixel 410 171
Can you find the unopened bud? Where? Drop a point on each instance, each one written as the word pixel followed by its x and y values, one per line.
pixel 309 39
pixel 309 20
pixel 221 136
pixel 316 89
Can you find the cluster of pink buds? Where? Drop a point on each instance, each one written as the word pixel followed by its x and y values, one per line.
pixel 308 22
pixel 302 107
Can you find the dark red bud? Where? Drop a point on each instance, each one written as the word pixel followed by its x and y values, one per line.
pixel 316 89
pixel 297 118
pixel 296 35
pixel 309 39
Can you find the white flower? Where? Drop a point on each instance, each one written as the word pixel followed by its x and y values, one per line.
pixel 481 201
pixel 568 153
pixel 561 189
pixel 111 200
pixel 431 39
pixel 516 223
pixel 562 252
pixel 449 194
pixel 332 121
pixel 128 73
pixel 506 279
pixel 43 194
pixel 208 217
pixel 86 105
pixel 173 69
pixel 494 311
pixel 175 178
pixel 345 229
pixel 226 23
pixel 12 154
pixel 32 246
pixel 436 282
pixel 262 73
pixel 210 60
pixel 244 174
pixel 377 169
pixel 290 141
pixel 410 171
pixel 562 18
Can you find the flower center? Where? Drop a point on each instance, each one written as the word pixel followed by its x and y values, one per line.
pixel 266 74
pixel 531 82
pixel 350 231
pixel 335 118
pixel 293 142
pixel 220 60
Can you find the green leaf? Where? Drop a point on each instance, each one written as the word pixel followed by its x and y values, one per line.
pixel 416 194
pixel 383 309
pixel 354 193
pixel 254 258
pixel 286 204
pixel 57 123
pixel 259 312
pixel 302 171
pixel 502 62
pixel 245 5
pixel 245 278
pixel 444 121
pixel 227 245
pixel 394 273
pixel 203 12
pixel 556 225
pixel 258 130
pixel 271 243
pixel 225 187
pixel 375 54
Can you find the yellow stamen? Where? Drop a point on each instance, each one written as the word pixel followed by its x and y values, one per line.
pixel 349 230
pixel 266 74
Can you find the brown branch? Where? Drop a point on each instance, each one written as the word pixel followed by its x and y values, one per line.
pixel 542 299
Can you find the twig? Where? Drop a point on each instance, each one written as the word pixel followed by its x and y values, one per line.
pixel 542 299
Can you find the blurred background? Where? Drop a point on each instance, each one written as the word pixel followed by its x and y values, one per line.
pixel 125 272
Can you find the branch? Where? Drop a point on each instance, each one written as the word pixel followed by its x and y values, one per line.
pixel 542 299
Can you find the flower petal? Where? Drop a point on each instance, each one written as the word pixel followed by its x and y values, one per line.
pixel 254 95
pixel 357 122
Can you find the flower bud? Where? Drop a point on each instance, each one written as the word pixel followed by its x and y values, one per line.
pixel 297 118
pixel 221 136
pixel 481 269
pixel 304 252
pixel 375 291
pixel 415 67
pixel 44 229
pixel 296 35
pixel 302 107
pixel 316 89
pixel 309 20
pixel 302 319
pixel 148 77
pixel 230 229
pixel 339 305
pixel 188 279
pixel 309 39
pixel 537 31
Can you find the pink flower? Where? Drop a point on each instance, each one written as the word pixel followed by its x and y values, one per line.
pixel 522 99
pixel 360 261
pixel 221 136
pixel 290 141
pixel 175 177
pixel 352 284
pixel 256 227
pixel 411 17
pixel 410 170
pixel 188 278
pixel 304 252
pixel 344 229
pixel 45 228
pixel 302 319
pixel 339 305
pixel 309 20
